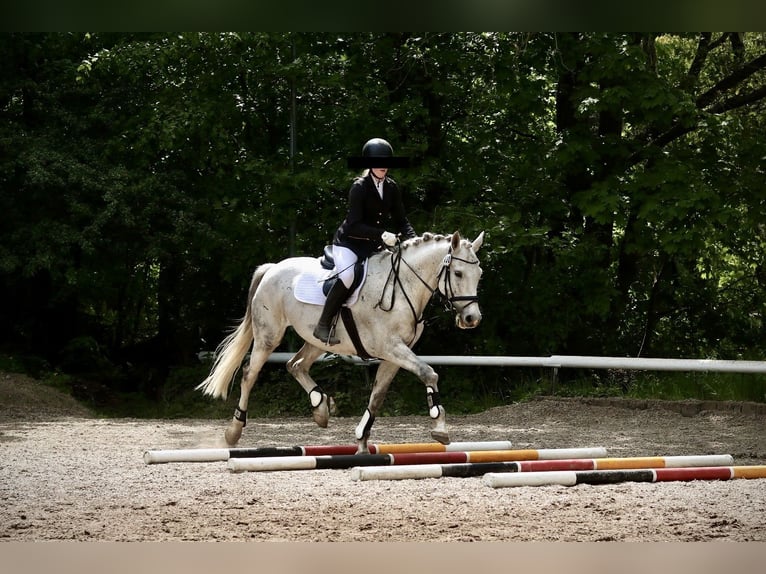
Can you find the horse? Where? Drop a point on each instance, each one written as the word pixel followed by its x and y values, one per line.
pixel 387 315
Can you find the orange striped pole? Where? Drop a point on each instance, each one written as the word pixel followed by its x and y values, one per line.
pixel 350 461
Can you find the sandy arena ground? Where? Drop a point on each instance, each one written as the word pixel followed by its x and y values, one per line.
pixel 65 475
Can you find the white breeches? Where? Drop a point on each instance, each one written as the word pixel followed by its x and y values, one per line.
pixel 344 264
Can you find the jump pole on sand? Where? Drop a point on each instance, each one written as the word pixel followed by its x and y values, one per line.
pixel 572 478
pixel 471 469
pixel 409 458
pixel 224 454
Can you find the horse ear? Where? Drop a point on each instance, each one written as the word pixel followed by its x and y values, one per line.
pixel 478 241
pixel 455 240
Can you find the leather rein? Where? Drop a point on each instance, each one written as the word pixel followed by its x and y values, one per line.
pixel 447 293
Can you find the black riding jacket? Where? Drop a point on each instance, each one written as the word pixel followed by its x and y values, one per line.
pixel 369 216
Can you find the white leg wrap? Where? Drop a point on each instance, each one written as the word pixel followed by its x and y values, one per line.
pixel 363 428
pixel 432 397
pixel 316 396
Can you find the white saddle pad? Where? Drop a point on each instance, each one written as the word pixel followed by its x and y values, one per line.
pixel 307 285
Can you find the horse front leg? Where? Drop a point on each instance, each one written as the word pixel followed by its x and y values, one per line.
pixel 383 377
pixel 437 413
pixel 406 359
pixel 249 376
pixel 298 366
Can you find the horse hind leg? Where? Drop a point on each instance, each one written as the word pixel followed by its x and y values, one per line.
pixel 322 405
pixel 249 376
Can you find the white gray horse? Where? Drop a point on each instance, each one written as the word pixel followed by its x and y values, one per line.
pixel 388 316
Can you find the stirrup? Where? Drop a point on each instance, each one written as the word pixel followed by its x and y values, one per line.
pixel 325 335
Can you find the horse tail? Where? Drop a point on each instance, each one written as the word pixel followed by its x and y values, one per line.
pixel 229 354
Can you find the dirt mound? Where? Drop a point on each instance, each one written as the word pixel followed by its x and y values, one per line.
pixel 24 398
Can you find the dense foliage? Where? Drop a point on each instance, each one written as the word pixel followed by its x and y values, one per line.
pixel 619 179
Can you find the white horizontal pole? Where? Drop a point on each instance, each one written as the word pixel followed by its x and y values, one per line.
pixel 570 361
pixel 649 364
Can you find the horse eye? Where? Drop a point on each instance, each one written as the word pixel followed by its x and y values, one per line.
pixel 458 274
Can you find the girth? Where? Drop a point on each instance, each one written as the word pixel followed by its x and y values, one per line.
pixel 353 333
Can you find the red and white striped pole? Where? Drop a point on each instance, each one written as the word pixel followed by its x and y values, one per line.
pixel 472 469
pixel 572 478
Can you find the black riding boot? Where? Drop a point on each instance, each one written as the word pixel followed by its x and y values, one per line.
pixel 335 298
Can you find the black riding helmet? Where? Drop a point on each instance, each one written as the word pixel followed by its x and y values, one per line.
pixel 377 152
pixel 377 148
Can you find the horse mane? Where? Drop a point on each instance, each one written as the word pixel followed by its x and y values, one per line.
pixel 425 238
pixel 416 241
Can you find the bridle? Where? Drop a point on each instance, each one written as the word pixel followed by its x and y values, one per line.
pixel 444 276
pixel 449 293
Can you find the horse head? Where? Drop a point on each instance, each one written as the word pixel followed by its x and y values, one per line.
pixel 460 275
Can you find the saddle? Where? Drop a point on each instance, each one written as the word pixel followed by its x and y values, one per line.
pixel 327 261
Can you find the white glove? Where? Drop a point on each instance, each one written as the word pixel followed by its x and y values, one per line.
pixel 388 238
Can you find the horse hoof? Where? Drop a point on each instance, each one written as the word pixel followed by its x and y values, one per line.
pixel 321 415
pixel 231 438
pixel 333 407
pixel 440 436
pixel 233 434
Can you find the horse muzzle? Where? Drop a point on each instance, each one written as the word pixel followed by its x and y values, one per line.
pixel 469 316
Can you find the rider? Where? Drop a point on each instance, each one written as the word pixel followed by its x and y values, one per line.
pixel 374 206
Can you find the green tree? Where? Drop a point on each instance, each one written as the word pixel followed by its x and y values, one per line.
pixel 636 196
pixel 618 177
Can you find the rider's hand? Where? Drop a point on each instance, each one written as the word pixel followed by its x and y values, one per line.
pixel 388 238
